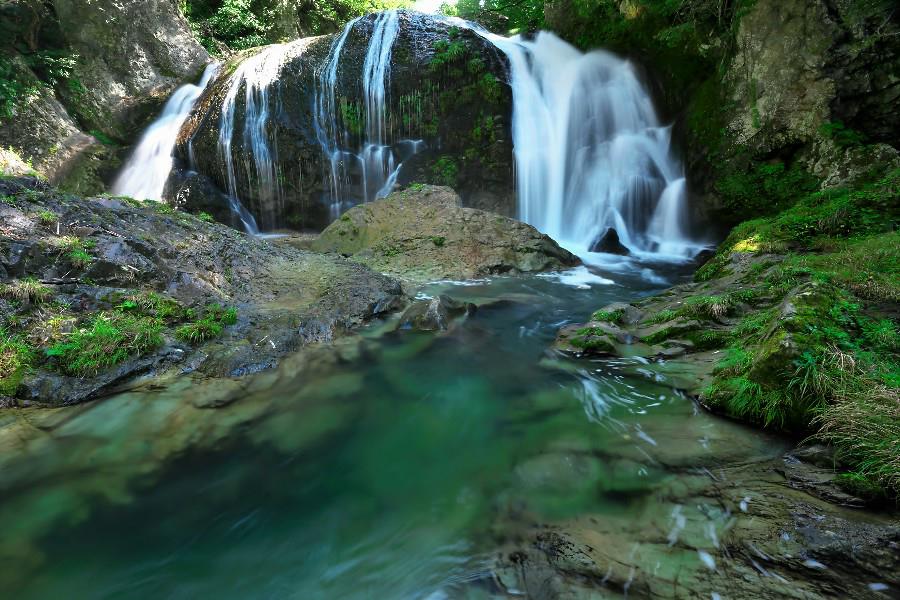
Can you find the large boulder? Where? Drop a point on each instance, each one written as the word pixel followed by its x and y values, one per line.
pixel 448 113
pixel 424 233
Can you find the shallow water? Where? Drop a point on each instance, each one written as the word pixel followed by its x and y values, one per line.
pixel 388 466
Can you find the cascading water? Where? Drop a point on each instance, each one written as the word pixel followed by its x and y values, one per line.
pixel 255 75
pixel 590 152
pixel 376 162
pixel 144 175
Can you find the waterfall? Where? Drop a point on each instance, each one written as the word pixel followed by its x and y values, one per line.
pixel 255 75
pixel 590 152
pixel 376 162
pixel 144 175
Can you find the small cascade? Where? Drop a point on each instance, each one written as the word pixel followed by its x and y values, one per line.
pixel 590 151
pixel 255 75
pixel 144 175
pixel 330 135
pixel 369 172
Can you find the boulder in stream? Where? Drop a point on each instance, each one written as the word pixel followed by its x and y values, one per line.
pixel 424 234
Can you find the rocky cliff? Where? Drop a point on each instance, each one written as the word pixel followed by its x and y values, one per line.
pixel 447 120
pixel 81 78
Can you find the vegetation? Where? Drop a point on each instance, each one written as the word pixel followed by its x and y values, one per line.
pixel 40 333
pixel 223 26
pixel 830 367
pixel 105 341
pixel 210 326
pixel 15 361
pixel 28 290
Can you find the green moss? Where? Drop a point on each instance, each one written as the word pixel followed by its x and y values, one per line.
pixel 763 188
pixel 610 316
pixel 205 217
pixel 438 241
pixel 709 339
pixel 593 339
pixel 659 336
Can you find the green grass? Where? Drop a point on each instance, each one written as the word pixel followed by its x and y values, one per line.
pixel 152 304
pixel 211 326
pixel 28 289
pixel 205 217
pixel 818 351
pixel 47 218
pixel 107 340
pixel 76 250
pixel 16 357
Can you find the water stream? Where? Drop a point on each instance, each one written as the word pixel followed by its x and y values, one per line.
pixel 391 473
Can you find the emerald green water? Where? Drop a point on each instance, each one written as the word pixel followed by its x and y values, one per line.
pixel 391 465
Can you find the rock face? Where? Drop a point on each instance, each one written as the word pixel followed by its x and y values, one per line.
pixel 801 63
pixel 285 297
pixel 101 66
pixel 425 234
pixel 43 131
pixel 808 81
pixel 131 56
pixel 447 120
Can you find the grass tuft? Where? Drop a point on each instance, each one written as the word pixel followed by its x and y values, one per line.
pixel 28 289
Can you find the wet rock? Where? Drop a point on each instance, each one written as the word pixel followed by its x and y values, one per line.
pixel 424 234
pixel 458 135
pixel 610 244
pixel 436 314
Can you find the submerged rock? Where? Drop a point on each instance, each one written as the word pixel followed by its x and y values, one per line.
pixel 436 314
pixel 423 233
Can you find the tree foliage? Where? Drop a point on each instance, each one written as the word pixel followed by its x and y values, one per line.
pixel 228 25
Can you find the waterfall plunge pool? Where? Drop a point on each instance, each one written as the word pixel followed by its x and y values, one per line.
pixel 387 465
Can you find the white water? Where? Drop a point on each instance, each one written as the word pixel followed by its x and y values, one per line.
pixel 375 164
pixel 144 175
pixel 255 75
pixel 590 151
